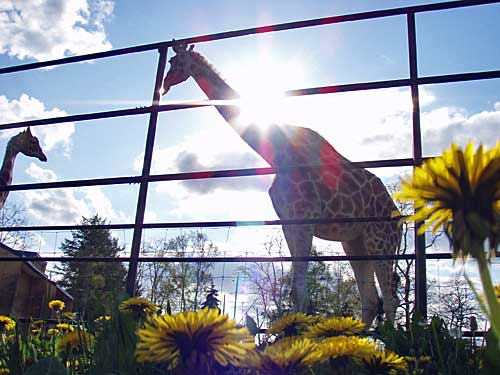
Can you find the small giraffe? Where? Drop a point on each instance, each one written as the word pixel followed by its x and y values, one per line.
pixel 335 188
pixel 25 143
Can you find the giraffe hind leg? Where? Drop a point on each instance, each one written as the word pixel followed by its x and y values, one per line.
pixel 387 276
pixel 299 240
pixel 365 280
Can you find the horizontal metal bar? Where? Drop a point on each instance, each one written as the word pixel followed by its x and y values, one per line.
pixel 103 115
pixel 459 77
pixel 225 173
pixel 374 85
pixel 350 87
pixel 202 224
pixel 255 30
pixel 317 258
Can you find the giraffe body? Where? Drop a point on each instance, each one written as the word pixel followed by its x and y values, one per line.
pixel 330 187
pixel 24 143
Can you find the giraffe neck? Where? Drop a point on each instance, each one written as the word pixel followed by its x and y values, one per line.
pixel 7 169
pixel 216 88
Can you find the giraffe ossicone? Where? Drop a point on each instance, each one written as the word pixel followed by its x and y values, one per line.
pixel 24 143
pixel 326 185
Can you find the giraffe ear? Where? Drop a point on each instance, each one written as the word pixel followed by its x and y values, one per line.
pixel 28 131
pixel 176 47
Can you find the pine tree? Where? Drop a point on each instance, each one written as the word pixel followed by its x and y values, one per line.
pixel 95 286
pixel 211 301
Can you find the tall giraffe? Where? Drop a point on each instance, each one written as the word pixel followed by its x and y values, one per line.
pixel 24 143
pixel 335 189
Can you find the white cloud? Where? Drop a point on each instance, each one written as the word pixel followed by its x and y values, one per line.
pixel 40 174
pixel 66 206
pixel 29 108
pixel 45 30
pixel 224 151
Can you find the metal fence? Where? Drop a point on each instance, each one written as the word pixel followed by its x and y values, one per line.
pixel 413 82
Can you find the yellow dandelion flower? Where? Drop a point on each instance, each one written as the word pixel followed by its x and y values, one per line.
pixel 4 371
pixel 53 331
pixel 337 326
pixel 139 307
pixel 192 340
pixel 461 191
pixel 341 349
pixel 283 357
pixel 291 324
pixel 104 318
pixel 36 331
pixel 56 305
pixel 497 291
pixel 75 340
pixel 73 364
pixel 6 323
pixel 64 327
pixel 386 362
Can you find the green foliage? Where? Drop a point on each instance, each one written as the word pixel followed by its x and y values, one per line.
pixel 112 351
pixel 450 355
pixel 96 287
pixel 491 355
pixel 47 366
pixel 115 346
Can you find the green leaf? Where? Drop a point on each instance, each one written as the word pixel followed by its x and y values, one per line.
pixel 49 366
pixel 491 355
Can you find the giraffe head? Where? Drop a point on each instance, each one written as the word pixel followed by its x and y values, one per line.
pixel 29 145
pixel 180 66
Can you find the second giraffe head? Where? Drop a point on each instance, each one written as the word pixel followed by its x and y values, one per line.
pixel 180 67
pixel 29 145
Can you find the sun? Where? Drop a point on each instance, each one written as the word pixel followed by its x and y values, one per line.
pixel 262 84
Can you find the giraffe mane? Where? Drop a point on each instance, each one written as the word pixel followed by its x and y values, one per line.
pixel 204 60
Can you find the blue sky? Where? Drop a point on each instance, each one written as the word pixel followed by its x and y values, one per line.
pixel 363 126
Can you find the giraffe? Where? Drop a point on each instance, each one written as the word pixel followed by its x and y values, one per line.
pixel 335 188
pixel 28 145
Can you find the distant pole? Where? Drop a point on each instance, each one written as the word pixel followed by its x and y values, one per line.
pixel 236 295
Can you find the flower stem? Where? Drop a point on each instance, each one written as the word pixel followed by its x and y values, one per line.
pixel 491 298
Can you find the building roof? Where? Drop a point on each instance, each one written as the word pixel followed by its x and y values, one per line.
pixel 33 255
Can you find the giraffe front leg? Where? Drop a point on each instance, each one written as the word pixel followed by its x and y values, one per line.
pixel 299 240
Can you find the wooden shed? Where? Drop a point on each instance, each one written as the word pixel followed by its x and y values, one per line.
pixel 25 288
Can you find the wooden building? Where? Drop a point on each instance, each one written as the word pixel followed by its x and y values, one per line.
pixel 25 289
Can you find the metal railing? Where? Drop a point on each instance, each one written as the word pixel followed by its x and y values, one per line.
pixel 413 82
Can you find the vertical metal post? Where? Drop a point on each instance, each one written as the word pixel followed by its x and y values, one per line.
pixel 146 168
pixel 420 265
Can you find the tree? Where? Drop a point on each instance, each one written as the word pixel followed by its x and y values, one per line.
pixel 331 287
pixel 269 282
pixel 95 287
pixel 14 215
pixel 406 268
pixel 211 300
pixel 180 284
pixel 455 302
